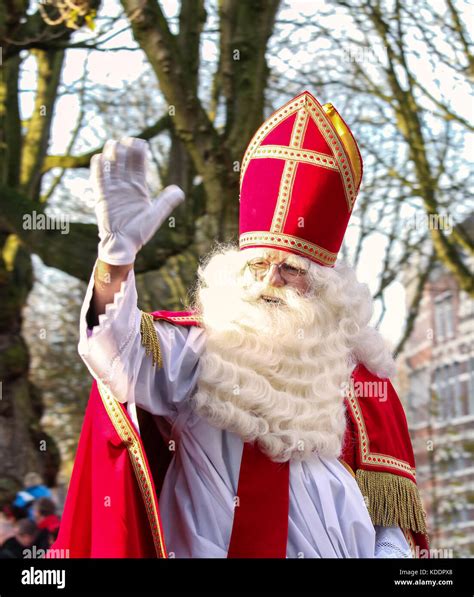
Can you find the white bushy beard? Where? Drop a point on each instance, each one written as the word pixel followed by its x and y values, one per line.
pixel 273 373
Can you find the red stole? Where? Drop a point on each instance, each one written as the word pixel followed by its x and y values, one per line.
pixel 260 528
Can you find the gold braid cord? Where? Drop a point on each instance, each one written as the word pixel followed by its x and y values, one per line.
pixel 392 500
pixel 150 339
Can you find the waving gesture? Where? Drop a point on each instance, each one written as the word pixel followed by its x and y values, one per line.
pixel 126 216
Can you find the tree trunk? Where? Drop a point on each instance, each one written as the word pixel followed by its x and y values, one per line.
pixel 23 444
pixel 204 160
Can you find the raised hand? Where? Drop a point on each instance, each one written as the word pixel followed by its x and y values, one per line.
pixel 126 216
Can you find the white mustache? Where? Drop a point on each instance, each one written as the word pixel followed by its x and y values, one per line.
pixel 255 293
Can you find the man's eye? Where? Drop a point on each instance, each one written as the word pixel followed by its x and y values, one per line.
pixel 290 269
pixel 259 264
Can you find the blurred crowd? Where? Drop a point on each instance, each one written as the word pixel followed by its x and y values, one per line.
pixel 29 524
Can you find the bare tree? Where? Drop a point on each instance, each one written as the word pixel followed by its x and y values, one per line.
pixel 199 147
pixel 396 69
pixel 411 135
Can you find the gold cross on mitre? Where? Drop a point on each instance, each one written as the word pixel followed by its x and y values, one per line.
pixel 344 156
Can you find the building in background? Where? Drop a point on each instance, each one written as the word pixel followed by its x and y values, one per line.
pixel 436 384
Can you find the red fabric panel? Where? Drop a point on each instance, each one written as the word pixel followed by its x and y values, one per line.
pixel 281 135
pixel 318 197
pixel 386 424
pixel 104 514
pixel 349 443
pixel 260 528
pixel 259 194
pixel 314 140
pixel 384 420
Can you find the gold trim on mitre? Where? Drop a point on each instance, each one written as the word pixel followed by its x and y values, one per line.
pixel 344 152
pixel 262 238
pixel 347 139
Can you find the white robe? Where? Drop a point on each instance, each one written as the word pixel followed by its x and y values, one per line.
pixel 328 517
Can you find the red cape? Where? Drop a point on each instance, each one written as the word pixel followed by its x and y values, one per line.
pixel 111 508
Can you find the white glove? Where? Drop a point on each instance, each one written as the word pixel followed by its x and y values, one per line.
pixel 126 216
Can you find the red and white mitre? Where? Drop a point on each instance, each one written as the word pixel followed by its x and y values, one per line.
pixel 299 180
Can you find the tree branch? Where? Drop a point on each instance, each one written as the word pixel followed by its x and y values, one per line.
pixel 210 156
pixel 36 139
pixel 82 161
pixel 72 247
pixel 415 303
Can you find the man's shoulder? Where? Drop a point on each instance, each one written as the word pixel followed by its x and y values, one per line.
pixel 374 403
pixel 367 384
pixel 184 318
pixel 363 373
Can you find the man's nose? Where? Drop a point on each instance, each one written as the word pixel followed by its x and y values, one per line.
pixel 274 277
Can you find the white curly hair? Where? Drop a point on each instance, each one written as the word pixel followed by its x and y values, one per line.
pixel 275 373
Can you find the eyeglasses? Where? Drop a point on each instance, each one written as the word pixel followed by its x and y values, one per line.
pixel 289 273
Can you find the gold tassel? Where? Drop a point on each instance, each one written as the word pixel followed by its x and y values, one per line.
pixel 392 500
pixel 150 339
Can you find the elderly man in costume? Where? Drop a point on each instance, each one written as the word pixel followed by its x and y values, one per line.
pixel 261 422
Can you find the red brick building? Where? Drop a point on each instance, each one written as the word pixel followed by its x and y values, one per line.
pixel 436 384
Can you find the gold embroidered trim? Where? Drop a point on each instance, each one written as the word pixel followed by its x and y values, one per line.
pixel 266 128
pixel 130 439
pixel 326 128
pixel 306 156
pixel 196 318
pixel 296 244
pixel 287 181
pixel 150 339
pixel 299 128
pixel 392 500
pixel 284 196
pixel 374 458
